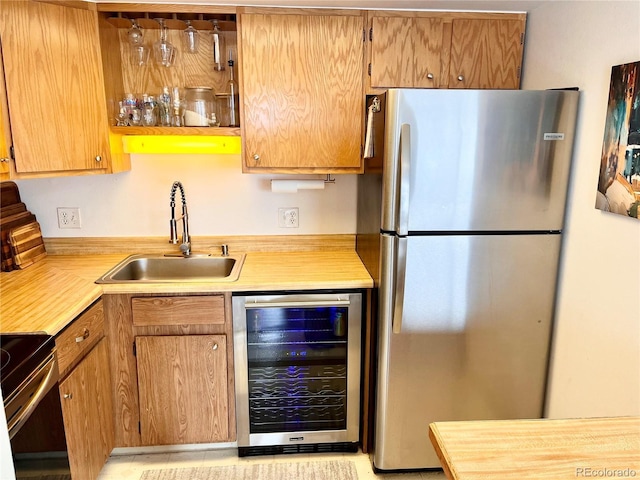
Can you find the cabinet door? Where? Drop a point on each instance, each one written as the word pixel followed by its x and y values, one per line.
pixel 302 89
pixel 5 127
pixel 88 414
pixel 405 51
pixel 54 87
pixel 486 53
pixel 182 382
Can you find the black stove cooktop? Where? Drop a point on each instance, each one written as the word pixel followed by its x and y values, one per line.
pixel 20 355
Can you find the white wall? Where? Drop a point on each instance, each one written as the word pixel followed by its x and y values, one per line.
pixel 221 200
pixel 595 367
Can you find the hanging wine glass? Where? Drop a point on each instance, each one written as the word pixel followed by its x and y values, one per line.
pixel 135 35
pixel 218 47
pixel 190 36
pixel 164 51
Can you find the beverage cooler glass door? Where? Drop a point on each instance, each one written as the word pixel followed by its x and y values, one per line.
pixel 297 368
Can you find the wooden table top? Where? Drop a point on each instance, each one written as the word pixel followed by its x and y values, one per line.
pixel 541 449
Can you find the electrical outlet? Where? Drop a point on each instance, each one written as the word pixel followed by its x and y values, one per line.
pixel 288 217
pixel 69 217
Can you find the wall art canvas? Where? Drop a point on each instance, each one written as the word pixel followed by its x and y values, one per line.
pixel 619 181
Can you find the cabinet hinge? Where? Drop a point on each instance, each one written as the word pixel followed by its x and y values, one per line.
pixel 519 71
pixel 522 38
pixel 139 428
pixel 371 34
pixel 364 35
pixel 12 153
pixel 134 349
pixel 369 69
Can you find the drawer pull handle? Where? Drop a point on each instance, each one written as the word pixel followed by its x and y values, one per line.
pixel 68 396
pixel 215 346
pixel 85 335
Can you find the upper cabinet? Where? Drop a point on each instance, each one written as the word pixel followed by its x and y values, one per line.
pixel 406 50
pixel 54 91
pixel 486 53
pixel 5 128
pixel 444 50
pixel 302 107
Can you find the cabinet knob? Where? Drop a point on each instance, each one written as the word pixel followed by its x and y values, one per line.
pixel 215 346
pixel 256 157
pixel 67 396
pixel 460 78
pixel 98 158
pixel 430 76
pixel 4 160
pixel 85 335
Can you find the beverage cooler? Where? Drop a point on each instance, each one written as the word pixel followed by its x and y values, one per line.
pixel 297 371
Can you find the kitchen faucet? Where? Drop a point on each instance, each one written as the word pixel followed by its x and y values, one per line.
pixel 185 245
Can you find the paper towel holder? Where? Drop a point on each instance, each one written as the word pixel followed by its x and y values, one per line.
pixel 292 186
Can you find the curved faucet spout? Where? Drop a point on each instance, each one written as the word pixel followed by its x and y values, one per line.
pixel 185 244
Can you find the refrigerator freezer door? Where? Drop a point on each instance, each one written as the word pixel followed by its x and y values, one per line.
pixel 474 340
pixel 481 160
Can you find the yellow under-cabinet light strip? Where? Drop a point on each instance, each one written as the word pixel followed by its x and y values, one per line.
pixel 181 144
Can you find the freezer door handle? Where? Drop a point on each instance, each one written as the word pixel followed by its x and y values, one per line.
pixel 401 274
pixel 405 179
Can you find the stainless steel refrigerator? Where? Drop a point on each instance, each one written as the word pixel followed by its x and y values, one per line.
pixel 460 225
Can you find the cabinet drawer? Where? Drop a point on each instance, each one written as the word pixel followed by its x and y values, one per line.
pixel 149 311
pixel 79 337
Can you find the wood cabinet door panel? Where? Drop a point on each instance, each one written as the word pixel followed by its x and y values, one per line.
pixel 182 382
pixel 405 52
pixel 54 87
pixel 486 53
pixel 302 91
pixel 87 410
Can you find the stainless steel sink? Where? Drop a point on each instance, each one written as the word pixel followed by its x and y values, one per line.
pixel 169 269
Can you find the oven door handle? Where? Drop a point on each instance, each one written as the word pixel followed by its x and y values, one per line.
pixel 50 373
pixel 311 303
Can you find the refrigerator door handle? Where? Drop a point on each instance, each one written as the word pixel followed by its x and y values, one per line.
pixel 404 165
pixel 398 294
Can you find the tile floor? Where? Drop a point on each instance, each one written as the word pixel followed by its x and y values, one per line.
pixel 130 467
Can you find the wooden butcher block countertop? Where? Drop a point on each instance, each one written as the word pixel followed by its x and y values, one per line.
pixel 538 449
pixel 47 296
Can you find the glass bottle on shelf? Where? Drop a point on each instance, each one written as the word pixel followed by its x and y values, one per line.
pixel 149 111
pixel 164 107
pixel 177 115
pixel 233 98
pixel 218 47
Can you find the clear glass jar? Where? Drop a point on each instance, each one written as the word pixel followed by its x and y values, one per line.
pixel 199 107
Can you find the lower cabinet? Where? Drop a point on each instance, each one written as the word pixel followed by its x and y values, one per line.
pixel 85 395
pixel 182 383
pixel 172 368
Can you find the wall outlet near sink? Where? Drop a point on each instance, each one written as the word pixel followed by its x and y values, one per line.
pixel 288 217
pixel 69 217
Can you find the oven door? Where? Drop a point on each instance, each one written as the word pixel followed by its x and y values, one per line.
pixel 21 403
